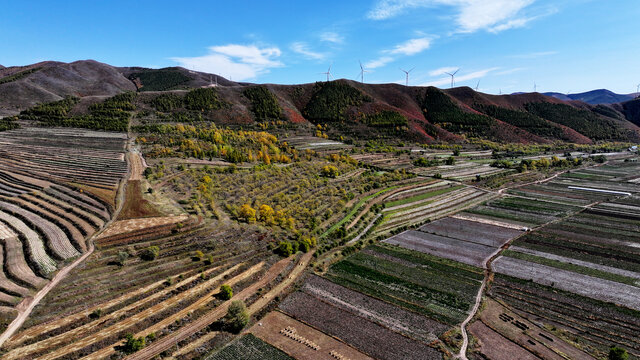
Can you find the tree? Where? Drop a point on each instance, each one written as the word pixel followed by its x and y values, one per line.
pixel 618 353
pixel 247 213
pixel 237 316
pixel 330 171
pixel 284 249
pixel 266 214
pixel 450 161
pixel 132 344
pixel 198 255
pixel 150 253
pixel 226 292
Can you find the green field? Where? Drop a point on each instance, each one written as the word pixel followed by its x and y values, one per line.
pixel 441 289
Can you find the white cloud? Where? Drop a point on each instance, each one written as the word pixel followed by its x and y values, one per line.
pixel 407 48
pixel 443 70
pixel 332 37
pixel 509 71
pixel 379 62
pixel 240 62
pixel 534 55
pixel 470 15
pixel 463 77
pixel 412 46
pixel 303 49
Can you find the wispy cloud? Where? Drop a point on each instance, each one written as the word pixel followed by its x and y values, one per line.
pixel 470 15
pixel 412 46
pixel 379 62
pixel 407 48
pixel 442 70
pixel 462 77
pixel 332 37
pixel 534 55
pixel 509 71
pixel 302 48
pixel 240 62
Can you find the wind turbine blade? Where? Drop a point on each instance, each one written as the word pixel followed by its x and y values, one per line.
pixel 411 69
pixel 450 74
pixel 455 72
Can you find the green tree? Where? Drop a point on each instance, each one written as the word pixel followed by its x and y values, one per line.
pixel 226 292
pixel 237 316
pixel 618 353
pixel 284 249
pixel 150 253
pixel 132 344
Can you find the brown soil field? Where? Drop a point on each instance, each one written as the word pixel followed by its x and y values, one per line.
pixel 293 276
pixel 269 329
pixel 108 196
pixel 496 347
pixel 135 206
pixel 204 321
pixel 512 327
pixel 126 226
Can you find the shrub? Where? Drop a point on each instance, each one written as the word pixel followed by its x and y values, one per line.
pixel 122 257
pixel 95 314
pixel 198 255
pixel 209 260
pixel 226 292
pixel 247 213
pixel 331 100
pixel 237 316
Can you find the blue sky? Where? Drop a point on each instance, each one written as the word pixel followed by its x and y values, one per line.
pixel 506 45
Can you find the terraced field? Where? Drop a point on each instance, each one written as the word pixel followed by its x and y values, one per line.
pixel 57 188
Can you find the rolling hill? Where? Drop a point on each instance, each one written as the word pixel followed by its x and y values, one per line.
pixel 343 107
pixel 593 97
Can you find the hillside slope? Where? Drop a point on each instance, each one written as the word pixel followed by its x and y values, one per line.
pixel 341 107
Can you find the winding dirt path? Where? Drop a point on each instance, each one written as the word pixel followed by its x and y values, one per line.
pixel 28 304
pixel 488 269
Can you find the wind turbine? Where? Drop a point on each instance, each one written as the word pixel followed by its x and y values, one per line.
pixel 452 75
pixel 362 71
pixel 328 73
pixel 477 85
pixel 535 87
pixel 407 75
pixel 638 89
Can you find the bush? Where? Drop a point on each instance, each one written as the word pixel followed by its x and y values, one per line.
pixel 237 316
pixel 226 292
pixel 150 253
pixel 122 257
pixel 198 255
pixel 209 260
pixel 95 314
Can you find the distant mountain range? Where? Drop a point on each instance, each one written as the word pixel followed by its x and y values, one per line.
pixel 594 97
pixel 374 111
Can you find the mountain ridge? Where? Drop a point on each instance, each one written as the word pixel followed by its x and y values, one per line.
pixel 430 114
